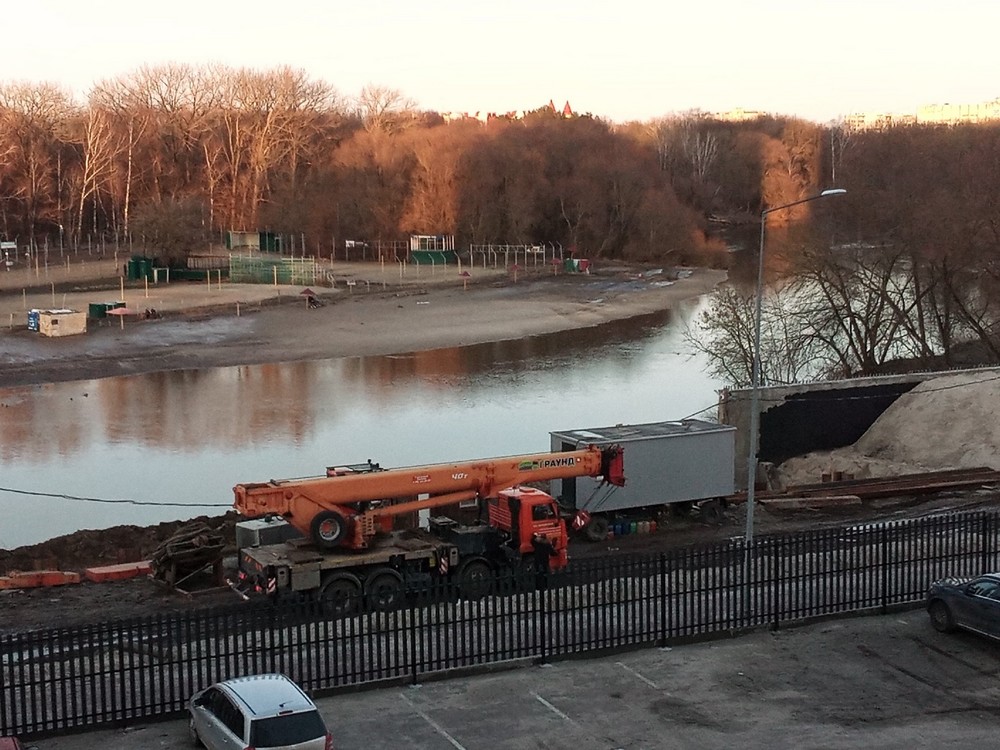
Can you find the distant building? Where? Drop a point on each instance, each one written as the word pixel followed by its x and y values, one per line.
pixel 952 114
pixel 928 114
pixel 739 115
pixel 876 120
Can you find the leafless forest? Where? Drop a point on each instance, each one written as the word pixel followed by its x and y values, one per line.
pixel 905 266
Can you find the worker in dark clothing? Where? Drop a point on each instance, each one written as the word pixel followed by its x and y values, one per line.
pixel 543 552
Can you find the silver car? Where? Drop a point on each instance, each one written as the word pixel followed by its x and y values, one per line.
pixel 264 712
pixel 967 603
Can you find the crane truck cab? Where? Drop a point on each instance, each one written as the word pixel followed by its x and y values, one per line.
pixel 522 512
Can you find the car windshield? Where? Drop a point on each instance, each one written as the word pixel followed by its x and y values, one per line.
pixel 290 729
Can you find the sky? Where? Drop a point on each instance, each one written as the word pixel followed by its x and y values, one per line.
pixel 620 60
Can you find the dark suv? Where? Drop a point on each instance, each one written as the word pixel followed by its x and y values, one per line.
pixel 265 712
pixel 967 603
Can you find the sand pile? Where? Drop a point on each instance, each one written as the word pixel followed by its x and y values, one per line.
pixel 949 422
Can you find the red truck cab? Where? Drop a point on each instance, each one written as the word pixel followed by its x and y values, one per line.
pixel 524 512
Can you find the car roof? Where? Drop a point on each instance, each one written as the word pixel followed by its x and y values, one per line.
pixel 267 694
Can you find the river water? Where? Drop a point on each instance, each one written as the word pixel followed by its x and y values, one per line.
pixel 165 446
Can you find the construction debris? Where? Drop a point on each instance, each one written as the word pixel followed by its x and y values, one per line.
pixel 192 550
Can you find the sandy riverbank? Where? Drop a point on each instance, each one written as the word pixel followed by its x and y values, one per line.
pixel 202 329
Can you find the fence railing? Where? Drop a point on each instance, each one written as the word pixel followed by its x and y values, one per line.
pixel 67 678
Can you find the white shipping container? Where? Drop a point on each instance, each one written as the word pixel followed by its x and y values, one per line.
pixel 664 463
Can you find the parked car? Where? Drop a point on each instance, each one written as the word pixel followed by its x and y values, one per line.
pixel 967 603
pixel 264 712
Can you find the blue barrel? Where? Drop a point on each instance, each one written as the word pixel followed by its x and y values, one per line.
pixel 33 320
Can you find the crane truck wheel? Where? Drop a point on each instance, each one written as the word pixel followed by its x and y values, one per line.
pixel 596 529
pixel 475 579
pixel 384 590
pixel 340 595
pixel 328 529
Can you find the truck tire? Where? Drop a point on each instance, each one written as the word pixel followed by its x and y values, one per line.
pixel 328 529
pixel 340 596
pixel 384 590
pixel 710 511
pixel 682 508
pixel 475 578
pixel 596 529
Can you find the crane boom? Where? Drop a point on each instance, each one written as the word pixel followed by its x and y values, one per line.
pixel 343 510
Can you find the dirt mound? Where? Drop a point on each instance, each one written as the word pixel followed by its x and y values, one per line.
pixel 948 422
pixel 119 544
pixel 951 422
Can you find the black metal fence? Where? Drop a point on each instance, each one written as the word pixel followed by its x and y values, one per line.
pixel 117 672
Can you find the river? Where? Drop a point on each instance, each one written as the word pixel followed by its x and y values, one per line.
pixel 171 445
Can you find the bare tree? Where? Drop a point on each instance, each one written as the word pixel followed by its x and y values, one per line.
pixel 840 140
pixel 384 109
pixel 700 148
pixel 129 118
pixel 725 334
pixel 31 121
pixel 99 148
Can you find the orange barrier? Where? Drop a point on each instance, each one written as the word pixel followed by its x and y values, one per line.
pixel 38 578
pixel 117 572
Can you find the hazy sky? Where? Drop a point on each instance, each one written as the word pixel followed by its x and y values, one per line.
pixel 618 59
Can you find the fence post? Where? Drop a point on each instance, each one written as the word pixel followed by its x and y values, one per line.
pixel 884 535
pixel 776 594
pixel 986 565
pixel 663 599
pixel 543 634
pixel 412 620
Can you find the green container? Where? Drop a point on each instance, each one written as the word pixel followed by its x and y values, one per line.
pixel 98 310
pixel 139 268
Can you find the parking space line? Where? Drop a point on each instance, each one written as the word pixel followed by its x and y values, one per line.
pixel 637 675
pixel 434 725
pixel 551 708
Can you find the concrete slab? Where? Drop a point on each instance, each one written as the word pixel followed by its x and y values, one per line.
pixel 889 682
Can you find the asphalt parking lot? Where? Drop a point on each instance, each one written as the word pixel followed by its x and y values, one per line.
pixel 887 681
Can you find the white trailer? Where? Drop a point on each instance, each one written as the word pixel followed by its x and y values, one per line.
pixel 670 466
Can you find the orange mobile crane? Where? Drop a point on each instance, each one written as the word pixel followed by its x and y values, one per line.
pixel 345 508
pixel 348 548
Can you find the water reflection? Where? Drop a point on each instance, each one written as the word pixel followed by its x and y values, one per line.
pixel 189 436
pixel 189 410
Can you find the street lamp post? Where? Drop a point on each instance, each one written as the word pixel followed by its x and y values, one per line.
pixel 755 373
